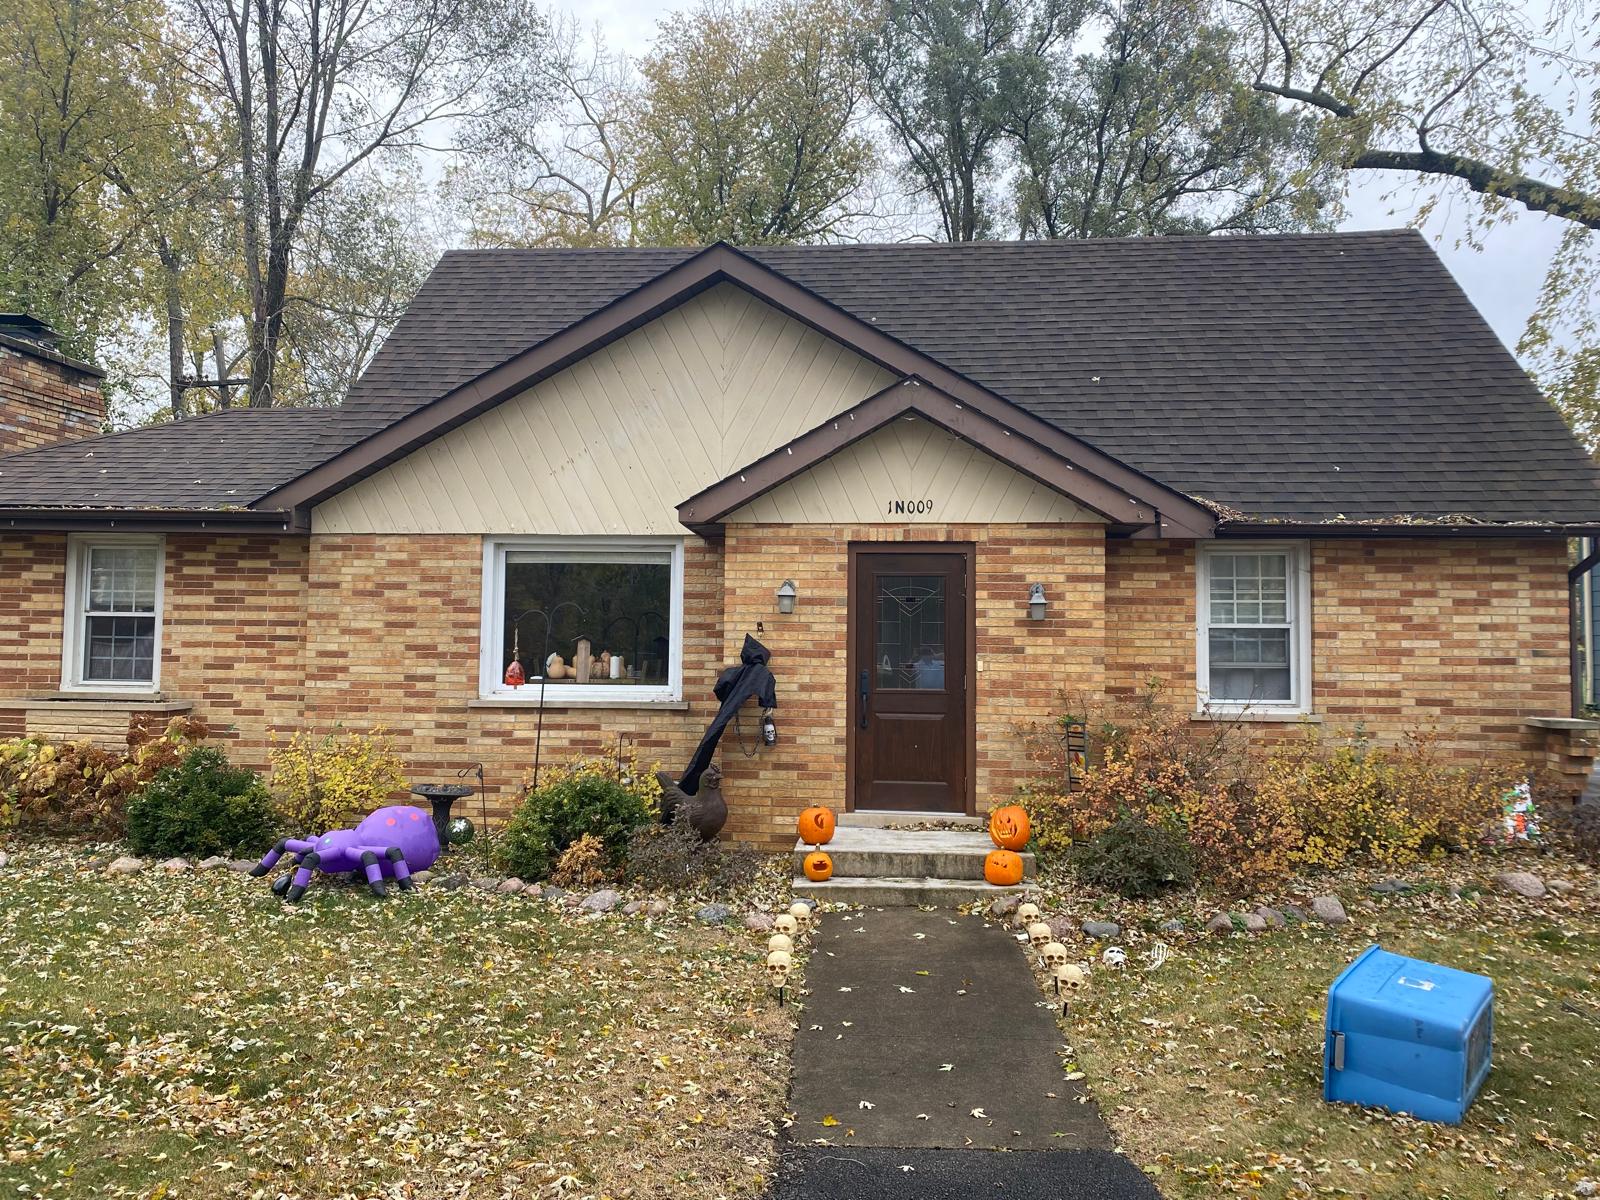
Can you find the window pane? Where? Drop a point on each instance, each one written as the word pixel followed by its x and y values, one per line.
pixel 123 578
pixel 622 609
pixel 1249 589
pixel 1250 664
pixel 119 649
pixel 909 649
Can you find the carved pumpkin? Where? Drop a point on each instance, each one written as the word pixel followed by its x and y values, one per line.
pixel 1003 868
pixel 818 866
pixel 1009 827
pixel 816 826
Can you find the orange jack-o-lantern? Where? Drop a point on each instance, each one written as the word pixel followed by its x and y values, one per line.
pixel 817 866
pixel 1003 868
pixel 816 826
pixel 1009 827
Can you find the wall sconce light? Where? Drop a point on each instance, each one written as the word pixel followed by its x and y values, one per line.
pixel 786 595
pixel 1036 602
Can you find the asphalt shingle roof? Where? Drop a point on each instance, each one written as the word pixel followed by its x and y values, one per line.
pixel 1304 377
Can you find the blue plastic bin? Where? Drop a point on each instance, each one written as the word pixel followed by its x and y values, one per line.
pixel 1407 1035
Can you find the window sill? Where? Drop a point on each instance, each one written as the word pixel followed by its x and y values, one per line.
pixel 1267 716
pixel 558 705
pixel 99 701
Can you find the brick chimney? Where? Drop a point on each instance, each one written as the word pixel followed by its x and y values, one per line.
pixel 44 395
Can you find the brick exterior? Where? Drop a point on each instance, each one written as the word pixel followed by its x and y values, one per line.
pixel 266 634
pixel 45 398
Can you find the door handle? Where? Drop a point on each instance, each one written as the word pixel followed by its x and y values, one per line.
pixel 865 680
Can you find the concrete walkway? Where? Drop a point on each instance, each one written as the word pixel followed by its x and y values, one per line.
pixel 927 1042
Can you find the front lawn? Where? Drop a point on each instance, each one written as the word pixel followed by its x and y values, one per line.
pixel 192 1036
pixel 1209 1068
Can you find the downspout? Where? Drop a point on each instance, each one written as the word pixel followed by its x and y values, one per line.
pixel 1575 576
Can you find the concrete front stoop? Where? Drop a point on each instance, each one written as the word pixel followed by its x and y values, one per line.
pixel 897 868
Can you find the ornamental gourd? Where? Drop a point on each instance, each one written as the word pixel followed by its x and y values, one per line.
pixel 816 826
pixel 1009 827
pixel 817 866
pixel 1003 868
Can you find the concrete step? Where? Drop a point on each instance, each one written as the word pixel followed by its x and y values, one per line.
pixel 882 819
pixel 891 892
pixel 908 854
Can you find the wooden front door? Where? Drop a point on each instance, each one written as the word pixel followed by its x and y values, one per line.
pixel 910 630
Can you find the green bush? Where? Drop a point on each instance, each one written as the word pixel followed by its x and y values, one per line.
pixel 1135 858
pixel 202 806
pixel 557 815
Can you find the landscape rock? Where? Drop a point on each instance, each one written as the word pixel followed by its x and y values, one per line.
pixel 510 886
pixel 451 882
pixel 757 922
pixel 554 894
pixel 126 865
pixel 1062 929
pixel 1390 887
pixel 1219 923
pixel 632 907
pixel 1005 905
pixel 658 908
pixel 212 863
pixel 603 901
pixel 485 883
pixel 1253 922
pixel 99 862
pixel 532 891
pixel 241 866
pixel 1523 883
pixel 1272 916
pixel 1295 913
pixel 176 866
pixel 1561 887
pixel 1587 1187
pixel 5 859
pixel 807 901
pixel 421 877
pixel 1102 931
pixel 713 914
pixel 1329 910
pixel 1171 925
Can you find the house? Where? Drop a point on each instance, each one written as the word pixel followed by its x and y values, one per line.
pixel 1296 478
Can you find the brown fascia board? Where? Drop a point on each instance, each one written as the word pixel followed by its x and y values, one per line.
pixel 706 509
pixel 1401 529
pixel 146 520
pixel 1179 515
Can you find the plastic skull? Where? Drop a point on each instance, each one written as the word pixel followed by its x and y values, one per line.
pixel 1070 976
pixel 779 965
pixel 1115 957
pixel 1039 935
pixel 1027 914
pixel 801 912
pixel 1054 955
pixel 780 941
pixel 786 925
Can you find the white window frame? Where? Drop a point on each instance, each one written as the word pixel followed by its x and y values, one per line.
pixel 74 617
pixel 492 685
pixel 1299 604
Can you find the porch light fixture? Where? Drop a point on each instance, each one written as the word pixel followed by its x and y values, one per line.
pixel 786 596
pixel 1036 602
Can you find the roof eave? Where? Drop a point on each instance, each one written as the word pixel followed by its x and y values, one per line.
pixel 152 520
pixel 1404 529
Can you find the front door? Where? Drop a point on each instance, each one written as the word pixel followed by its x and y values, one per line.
pixel 909 630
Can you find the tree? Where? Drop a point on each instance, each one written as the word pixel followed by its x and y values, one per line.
pixel 315 91
pixel 749 123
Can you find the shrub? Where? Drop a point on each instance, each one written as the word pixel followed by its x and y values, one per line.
pixel 1576 828
pixel 78 789
pixel 603 798
pixel 1135 857
pixel 333 781
pixel 674 858
pixel 585 863
pixel 201 806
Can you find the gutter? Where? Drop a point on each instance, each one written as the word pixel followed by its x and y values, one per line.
pixel 1398 529
pixel 153 520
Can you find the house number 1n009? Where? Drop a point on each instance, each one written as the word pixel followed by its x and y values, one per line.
pixel 910 508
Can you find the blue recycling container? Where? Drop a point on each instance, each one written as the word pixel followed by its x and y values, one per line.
pixel 1407 1035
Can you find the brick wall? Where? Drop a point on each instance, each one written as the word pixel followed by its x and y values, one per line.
pixel 45 398
pixel 33 587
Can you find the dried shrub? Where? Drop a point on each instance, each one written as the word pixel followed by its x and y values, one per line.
pixel 585 863
pixel 1136 857
pixel 333 781
pixel 673 858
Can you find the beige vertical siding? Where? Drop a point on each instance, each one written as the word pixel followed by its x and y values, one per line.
pixel 912 472
pixel 613 443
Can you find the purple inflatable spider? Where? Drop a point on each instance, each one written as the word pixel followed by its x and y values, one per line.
pixel 392 842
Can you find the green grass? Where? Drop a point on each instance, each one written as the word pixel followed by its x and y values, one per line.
pixel 191 1035
pixel 1210 1069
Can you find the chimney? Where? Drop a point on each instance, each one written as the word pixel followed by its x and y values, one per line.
pixel 45 396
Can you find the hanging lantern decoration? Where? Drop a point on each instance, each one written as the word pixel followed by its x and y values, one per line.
pixel 515 675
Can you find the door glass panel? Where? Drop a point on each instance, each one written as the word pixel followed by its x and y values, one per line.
pixel 909 649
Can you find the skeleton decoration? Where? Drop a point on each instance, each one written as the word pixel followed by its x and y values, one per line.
pixel 786 925
pixel 1070 977
pixel 801 912
pixel 1027 914
pixel 780 941
pixel 1157 956
pixel 779 964
pixel 1115 957
pixel 1039 935
pixel 1054 956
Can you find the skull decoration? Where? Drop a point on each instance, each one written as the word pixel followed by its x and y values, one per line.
pixel 778 966
pixel 1054 956
pixel 1039 935
pixel 1115 957
pixel 786 925
pixel 801 912
pixel 1071 977
pixel 781 941
pixel 1027 914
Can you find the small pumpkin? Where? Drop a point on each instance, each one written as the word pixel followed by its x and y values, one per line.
pixel 818 866
pixel 816 826
pixel 1009 827
pixel 1003 868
